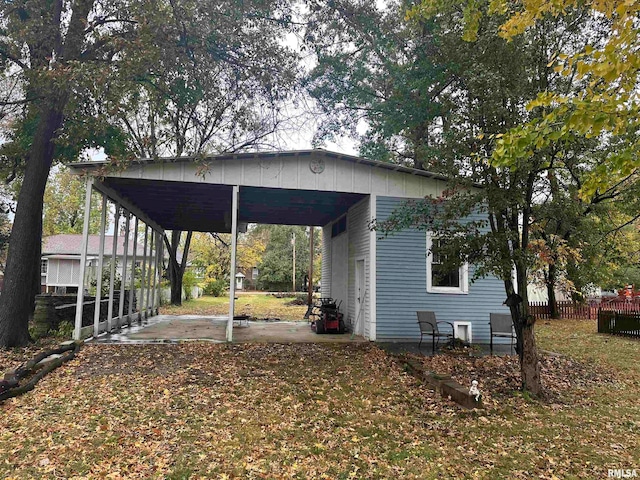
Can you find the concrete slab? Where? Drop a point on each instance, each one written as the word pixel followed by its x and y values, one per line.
pixel 179 328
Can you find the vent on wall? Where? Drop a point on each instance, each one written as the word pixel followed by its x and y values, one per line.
pixel 462 330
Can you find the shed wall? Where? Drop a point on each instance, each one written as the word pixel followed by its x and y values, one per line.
pixel 325 276
pixel 339 270
pixel 402 289
pixel 358 231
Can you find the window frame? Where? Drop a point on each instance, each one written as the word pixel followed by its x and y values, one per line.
pixel 44 262
pixel 463 273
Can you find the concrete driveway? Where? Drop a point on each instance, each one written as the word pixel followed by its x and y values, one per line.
pixel 176 328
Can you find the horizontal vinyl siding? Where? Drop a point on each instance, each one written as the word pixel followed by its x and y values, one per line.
pixel 325 277
pixel 340 270
pixel 358 231
pixel 402 288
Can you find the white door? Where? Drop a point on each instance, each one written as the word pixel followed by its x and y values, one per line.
pixel 360 297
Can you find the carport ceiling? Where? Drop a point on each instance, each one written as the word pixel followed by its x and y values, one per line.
pixel 206 207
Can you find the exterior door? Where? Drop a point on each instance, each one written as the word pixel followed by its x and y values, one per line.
pixel 360 297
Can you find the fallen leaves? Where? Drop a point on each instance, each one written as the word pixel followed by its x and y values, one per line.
pixel 312 411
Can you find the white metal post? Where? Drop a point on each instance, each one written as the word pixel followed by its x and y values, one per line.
pixel 123 283
pixel 96 313
pixel 143 308
pixel 132 290
pixel 234 242
pixel 83 259
pixel 112 273
pixel 154 279
pixel 159 266
pixel 147 304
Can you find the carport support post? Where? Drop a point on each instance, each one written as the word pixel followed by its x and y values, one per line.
pixel 112 273
pixel 132 292
pixel 144 271
pixel 147 304
pixel 123 282
pixel 83 259
pixel 234 244
pixel 159 266
pixel 154 282
pixel 96 313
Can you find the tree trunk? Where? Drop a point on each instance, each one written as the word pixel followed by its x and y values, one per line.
pixel 529 365
pixel 551 292
pixel 176 270
pixel 23 259
pixel 176 287
pixel 523 324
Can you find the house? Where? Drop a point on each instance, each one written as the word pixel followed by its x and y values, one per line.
pixel 60 261
pixel 379 283
pixel 240 281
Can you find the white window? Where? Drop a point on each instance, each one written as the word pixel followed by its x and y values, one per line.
pixel 439 278
pixel 44 264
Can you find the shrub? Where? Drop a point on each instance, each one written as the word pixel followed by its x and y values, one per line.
pixel 189 281
pixel 214 287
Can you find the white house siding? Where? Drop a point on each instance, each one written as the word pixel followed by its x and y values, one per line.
pixel 325 277
pixel 340 270
pixel 358 233
pixel 63 272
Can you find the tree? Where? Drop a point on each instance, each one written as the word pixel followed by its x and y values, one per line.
pixel 63 208
pixel 177 264
pixel 218 88
pixel 276 268
pixel 607 108
pixel 376 72
pixel 479 85
pixel 211 252
pixel 61 58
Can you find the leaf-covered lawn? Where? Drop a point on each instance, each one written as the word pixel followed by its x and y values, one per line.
pixel 324 411
pixel 255 305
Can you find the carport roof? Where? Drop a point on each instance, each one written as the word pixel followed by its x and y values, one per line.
pixel 176 194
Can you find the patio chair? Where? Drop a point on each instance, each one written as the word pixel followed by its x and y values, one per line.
pixel 501 326
pixel 429 326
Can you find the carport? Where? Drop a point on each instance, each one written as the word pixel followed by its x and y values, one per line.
pixel 223 194
pixel 217 194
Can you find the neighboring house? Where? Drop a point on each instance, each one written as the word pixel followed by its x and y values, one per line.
pixel 250 278
pixel 60 262
pixel 240 281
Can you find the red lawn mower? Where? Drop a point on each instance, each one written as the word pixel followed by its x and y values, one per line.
pixel 327 317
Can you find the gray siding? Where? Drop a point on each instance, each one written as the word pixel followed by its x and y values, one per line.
pixel 402 290
pixel 358 230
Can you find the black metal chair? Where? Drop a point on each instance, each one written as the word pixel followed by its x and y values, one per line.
pixel 429 326
pixel 501 326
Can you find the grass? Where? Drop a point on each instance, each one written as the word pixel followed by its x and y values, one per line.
pixel 325 411
pixel 255 305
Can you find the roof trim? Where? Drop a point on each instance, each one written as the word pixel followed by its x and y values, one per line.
pixel 285 153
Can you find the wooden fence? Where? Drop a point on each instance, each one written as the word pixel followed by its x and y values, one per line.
pixel 578 310
pixel 619 323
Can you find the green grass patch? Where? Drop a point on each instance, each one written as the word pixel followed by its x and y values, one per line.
pixel 259 305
